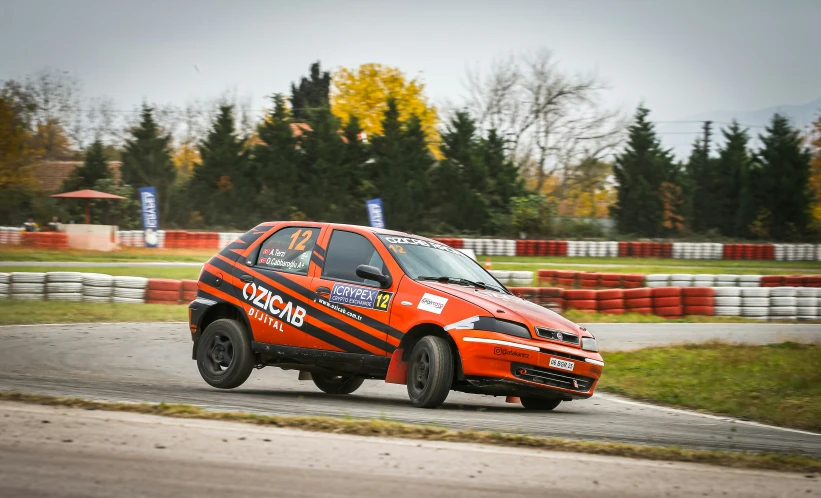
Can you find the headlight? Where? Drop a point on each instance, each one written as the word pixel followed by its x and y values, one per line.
pixel 512 328
pixel 590 344
pixel 491 324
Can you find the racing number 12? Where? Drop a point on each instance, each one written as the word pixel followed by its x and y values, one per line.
pixel 382 300
pixel 306 236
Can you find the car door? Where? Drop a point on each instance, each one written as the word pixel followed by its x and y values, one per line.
pixel 274 286
pixel 360 307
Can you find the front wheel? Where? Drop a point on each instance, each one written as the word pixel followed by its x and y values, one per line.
pixel 542 404
pixel 337 384
pixel 224 355
pixel 430 372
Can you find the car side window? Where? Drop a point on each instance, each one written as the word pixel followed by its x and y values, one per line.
pixel 346 251
pixel 289 250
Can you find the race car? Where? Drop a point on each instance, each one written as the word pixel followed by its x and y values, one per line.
pixel 344 303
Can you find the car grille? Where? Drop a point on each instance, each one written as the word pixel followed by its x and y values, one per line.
pixel 565 380
pixel 557 335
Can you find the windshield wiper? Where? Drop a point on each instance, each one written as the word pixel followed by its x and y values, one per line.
pixel 460 281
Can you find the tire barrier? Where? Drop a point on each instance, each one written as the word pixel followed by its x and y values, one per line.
pixel 515 278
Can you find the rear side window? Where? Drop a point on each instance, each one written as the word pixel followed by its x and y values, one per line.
pixel 289 250
pixel 346 251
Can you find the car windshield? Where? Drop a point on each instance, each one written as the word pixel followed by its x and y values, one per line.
pixel 428 260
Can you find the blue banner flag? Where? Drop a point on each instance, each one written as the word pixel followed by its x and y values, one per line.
pixel 148 199
pixel 375 213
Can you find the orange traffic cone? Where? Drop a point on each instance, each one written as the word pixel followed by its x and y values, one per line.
pixel 488 264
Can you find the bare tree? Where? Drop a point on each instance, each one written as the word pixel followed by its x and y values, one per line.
pixel 552 120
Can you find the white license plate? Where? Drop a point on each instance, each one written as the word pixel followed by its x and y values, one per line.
pixel 563 364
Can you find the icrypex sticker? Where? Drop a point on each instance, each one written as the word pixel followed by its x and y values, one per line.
pixel 363 297
pixel 432 303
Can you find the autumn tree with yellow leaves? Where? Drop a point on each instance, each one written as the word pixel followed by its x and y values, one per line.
pixel 364 91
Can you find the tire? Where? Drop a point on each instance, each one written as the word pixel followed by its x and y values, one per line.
pixel 430 372
pixel 337 384
pixel 224 341
pixel 540 404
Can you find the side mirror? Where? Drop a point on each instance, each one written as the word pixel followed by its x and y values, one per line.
pixel 369 272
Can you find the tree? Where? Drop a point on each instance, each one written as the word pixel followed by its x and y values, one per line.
pixel 94 168
pixel 321 168
pixel 17 181
pixel 146 161
pixel 274 164
pixel 400 170
pixel 814 140
pixel 311 93
pixel 123 213
pixel 785 175
pixel 551 119
pixel 222 179
pixel 364 92
pixel 700 184
pixel 356 164
pixel 732 198
pixel 640 171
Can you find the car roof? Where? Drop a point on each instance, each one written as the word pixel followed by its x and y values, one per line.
pixel 381 231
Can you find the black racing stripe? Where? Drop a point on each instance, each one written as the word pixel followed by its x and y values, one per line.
pixel 325 317
pixel 222 265
pixel 307 328
pixel 317 260
pixel 320 250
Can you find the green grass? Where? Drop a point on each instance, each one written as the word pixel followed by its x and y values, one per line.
pixel 385 428
pixel 582 317
pixel 775 384
pixel 126 254
pixel 178 273
pixel 31 312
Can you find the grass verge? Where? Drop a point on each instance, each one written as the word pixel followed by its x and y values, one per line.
pixel 178 273
pixel 583 317
pixel 125 254
pixel 777 384
pixel 383 428
pixel 32 312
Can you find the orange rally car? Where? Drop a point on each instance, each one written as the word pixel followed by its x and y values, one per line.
pixel 343 303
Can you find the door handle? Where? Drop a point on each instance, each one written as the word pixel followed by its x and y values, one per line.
pixel 323 290
pixel 246 278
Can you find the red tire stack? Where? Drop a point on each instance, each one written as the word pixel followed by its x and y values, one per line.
pixel 611 280
pixel 189 290
pixel 812 281
pixel 794 281
pixel 772 281
pixel 163 291
pixel 581 300
pixel 638 301
pixel 589 280
pixel 667 302
pixel 632 280
pixel 547 277
pixel 610 301
pixel 551 297
pixel 698 301
pixel 566 278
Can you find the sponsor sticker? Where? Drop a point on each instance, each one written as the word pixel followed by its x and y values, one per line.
pixel 411 241
pixel 500 351
pixel 363 297
pixel 432 303
pixel 270 303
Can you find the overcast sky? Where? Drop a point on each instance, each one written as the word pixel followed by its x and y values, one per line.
pixel 680 57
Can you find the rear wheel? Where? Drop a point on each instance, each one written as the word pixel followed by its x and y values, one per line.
pixel 541 404
pixel 430 372
pixel 224 355
pixel 337 384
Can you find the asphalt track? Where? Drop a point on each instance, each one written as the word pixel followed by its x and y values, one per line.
pixel 151 363
pixel 60 452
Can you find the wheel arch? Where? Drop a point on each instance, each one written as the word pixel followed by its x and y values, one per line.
pixel 217 312
pixel 420 330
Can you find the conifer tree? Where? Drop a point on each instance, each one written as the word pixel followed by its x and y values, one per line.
pixel 733 195
pixel 94 168
pixel 784 183
pixel 321 183
pixel 311 93
pixel 221 182
pixel 700 184
pixel 274 165
pixel 640 172
pixel 146 161
pixel 357 185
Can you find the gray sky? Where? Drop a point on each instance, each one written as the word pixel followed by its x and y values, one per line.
pixel 682 58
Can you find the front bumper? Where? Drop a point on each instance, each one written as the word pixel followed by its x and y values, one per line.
pixel 503 364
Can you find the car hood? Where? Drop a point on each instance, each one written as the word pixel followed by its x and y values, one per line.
pixel 509 307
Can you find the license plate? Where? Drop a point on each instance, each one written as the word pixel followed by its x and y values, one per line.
pixel 564 365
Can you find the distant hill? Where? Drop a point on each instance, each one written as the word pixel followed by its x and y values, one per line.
pixel 679 136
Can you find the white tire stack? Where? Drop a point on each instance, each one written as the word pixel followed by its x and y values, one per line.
pixel 510 247
pixel 727 301
pixel 755 302
pixel 681 280
pixel 572 248
pixel 64 286
pixel 97 287
pixel 749 280
pixel 704 280
pixel 806 303
pixel 521 278
pixel 657 279
pixel 129 290
pixel 502 276
pixel 783 303
pixel 4 285
pixel 779 252
pixel 27 286
pixel 724 280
